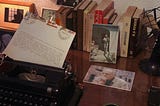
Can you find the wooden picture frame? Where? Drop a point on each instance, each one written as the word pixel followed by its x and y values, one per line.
pixel 12 12
pixel 104 44
pixel 47 13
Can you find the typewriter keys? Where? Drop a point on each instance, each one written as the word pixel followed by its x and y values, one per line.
pixel 32 76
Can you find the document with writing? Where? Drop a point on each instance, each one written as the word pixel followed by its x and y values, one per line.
pixel 36 42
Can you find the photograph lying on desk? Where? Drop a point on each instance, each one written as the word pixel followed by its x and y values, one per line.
pixel 104 43
pixel 110 77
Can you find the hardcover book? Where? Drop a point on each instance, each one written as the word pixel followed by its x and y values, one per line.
pixel 80 14
pixel 86 24
pixel 135 39
pixel 110 77
pixel 59 15
pixel 124 36
pixel 89 23
pixel 104 43
pixel 108 16
pixel 113 18
pixel 103 8
pixel 65 13
pixel 74 18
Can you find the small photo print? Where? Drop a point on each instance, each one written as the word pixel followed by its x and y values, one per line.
pixel 110 77
pixel 13 15
pixel 104 43
pixel 48 14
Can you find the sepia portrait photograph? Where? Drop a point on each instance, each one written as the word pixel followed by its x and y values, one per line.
pixel 104 43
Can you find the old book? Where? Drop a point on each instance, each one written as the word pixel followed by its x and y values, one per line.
pixel 108 16
pixel 90 22
pixel 113 18
pixel 64 15
pixel 119 16
pixel 119 21
pixel 80 12
pixel 74 16
pixel 134 39
pixel 104 43
pixel 124 36
pixel 69 21
pixel 103 8
pixel 86 23
pixel 58 15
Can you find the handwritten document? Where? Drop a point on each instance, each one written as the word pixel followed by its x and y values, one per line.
pixel 36 42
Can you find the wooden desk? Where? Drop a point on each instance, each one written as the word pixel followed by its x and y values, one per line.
pixel 95 95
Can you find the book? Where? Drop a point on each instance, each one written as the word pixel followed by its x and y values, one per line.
pixel 135 39
pixel 111 21
pixel 67 10
pixel 108 16
pixel 86 24
pixel 80 14
pixel 110 77
pixel 103 8
pixel 69 21
pixel 90 22
pixel 40 43
pixel 118 18
pixel 58 15
pixel 119 21
pixel 74 18
pixel 124 36
pixel 104 43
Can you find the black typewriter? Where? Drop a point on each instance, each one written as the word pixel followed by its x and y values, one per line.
pixel 26 84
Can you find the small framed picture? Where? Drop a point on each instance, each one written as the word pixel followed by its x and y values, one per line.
pixel 48 14
pixel 104 43
pixel 12 13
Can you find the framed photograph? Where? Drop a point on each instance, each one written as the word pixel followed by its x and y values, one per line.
pixel 104 43
pixel 48 14
pixel 12 12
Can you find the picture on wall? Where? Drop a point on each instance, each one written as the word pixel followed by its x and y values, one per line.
pixel 13 15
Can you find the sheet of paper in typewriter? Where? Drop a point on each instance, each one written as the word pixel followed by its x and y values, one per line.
pixel 40 43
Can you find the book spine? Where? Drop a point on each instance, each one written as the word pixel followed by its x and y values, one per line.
pixel 80 30
pixel 126 31
pixel 105 20
pixel 98 17
pixel 125 36
pixel 113 18
pixel 133 37
pixel 99 14
pixel 89 32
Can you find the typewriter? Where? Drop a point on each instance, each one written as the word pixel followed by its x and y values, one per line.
pixel 26 84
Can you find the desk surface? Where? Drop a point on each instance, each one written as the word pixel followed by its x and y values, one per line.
pixel 95 95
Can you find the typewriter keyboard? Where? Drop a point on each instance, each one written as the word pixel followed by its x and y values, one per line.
pixel 14 97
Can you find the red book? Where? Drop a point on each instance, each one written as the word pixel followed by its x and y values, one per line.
pixel 108 16
pixel 103 8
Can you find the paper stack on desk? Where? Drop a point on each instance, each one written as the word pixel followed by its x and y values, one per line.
pixel 39 43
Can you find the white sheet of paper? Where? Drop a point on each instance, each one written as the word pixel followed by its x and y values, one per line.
pixel 36 42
